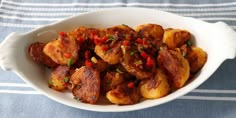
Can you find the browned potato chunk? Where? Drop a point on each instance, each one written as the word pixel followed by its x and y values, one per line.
pixel 59 78
pixel 112 55
pixel 64 45
pixel 123 95
pixel 130 64
pixel 36 52
pixel 151 31
pixel 121 32
pixel 111 81
pixel 176 66
pixel 99 65
pixel 197 58
pixel 156 87
pixel 174 38
pixel 86 84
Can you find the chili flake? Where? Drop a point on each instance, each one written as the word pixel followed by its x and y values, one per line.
pixel 88 63
pixel 150 62
pixel 125 43
pixel 62 34
pixel 105 48
pixel 144 54
pixel 67 55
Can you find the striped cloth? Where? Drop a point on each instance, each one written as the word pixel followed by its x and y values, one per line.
pixel 216 98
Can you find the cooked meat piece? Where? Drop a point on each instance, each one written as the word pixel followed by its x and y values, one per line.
pixel 152 32
pixel 155 87
pixel 86 84
pixel 111 81
pixel 36 52
pixel 175 65
pixel 64 50
pixel 59 78
pixel 175 38
pixel 123 95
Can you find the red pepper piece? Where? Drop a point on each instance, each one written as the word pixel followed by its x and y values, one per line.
pixel 105 48
pixel 144 54
pixel 150 62
pixel 87 54
pixel 62 34
pixel 88 63
pixel 125 43
pixel 67 55
pixel 139 40
pixel 130 85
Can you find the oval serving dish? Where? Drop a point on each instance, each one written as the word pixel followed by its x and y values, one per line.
pixel 217 39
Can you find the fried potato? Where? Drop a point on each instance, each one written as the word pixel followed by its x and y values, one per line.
pixel 111 81
pixel 156 87
pixel 36 52
pixel 86 32
pixel 174 38
pixel 176 66
pixel 152 32
pixel 121 32
pixel 86 84
pixel 197 58
pixel 128 62
pixel 112 55
pixel 59 78
pixel 99 65
pixel 57 50
pixel 123 95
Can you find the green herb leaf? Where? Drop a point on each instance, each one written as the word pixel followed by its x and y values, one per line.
pixel 139 62
pixel 133 52
pixel 76 98
pixel 119 71
pixel 184 54
pixel 124 25
pixel 189 43
pixel 50 82
pixel 69 62
pixel 108 83
pixel 66 79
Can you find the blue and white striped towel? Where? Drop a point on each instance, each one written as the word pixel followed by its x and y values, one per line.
pixel 216 98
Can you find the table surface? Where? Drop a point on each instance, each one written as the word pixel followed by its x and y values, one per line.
pixel 216 98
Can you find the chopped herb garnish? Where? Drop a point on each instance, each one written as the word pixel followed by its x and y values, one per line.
pixel 119 71
pixel 139 62
pixel 184 54
pixel 79 85
pixel 189 43
pixel 69 62
pixel 76 98
pixel 110 38
pixel 50 82
pixel 133 52
pixel 66 79
pixel 108 83
pixel 124 25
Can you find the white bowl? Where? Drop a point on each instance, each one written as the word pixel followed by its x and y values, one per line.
pixel 217 39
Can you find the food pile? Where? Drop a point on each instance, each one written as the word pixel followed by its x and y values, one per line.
pixel 121 63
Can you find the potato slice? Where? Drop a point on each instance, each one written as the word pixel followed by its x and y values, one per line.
pixel 123 95
pixel 176 66
pixel 59 78
pixel 111 81
pixel 121 32
pixel 112 55
pixel 86 84
pixel 152 32
pixel 197 58
pixel 174 38
pixel 156 87
pixel 36 52
pixel 64 45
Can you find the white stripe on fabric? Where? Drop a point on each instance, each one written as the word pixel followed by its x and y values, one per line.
pixel 74 13
pixel 14 85
pixel 19 25
pixel 213 91
pixel 55 19
pixel 182 97
pixel 19 92
pixel 120 3
pixel 97 8
pixel 208 98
